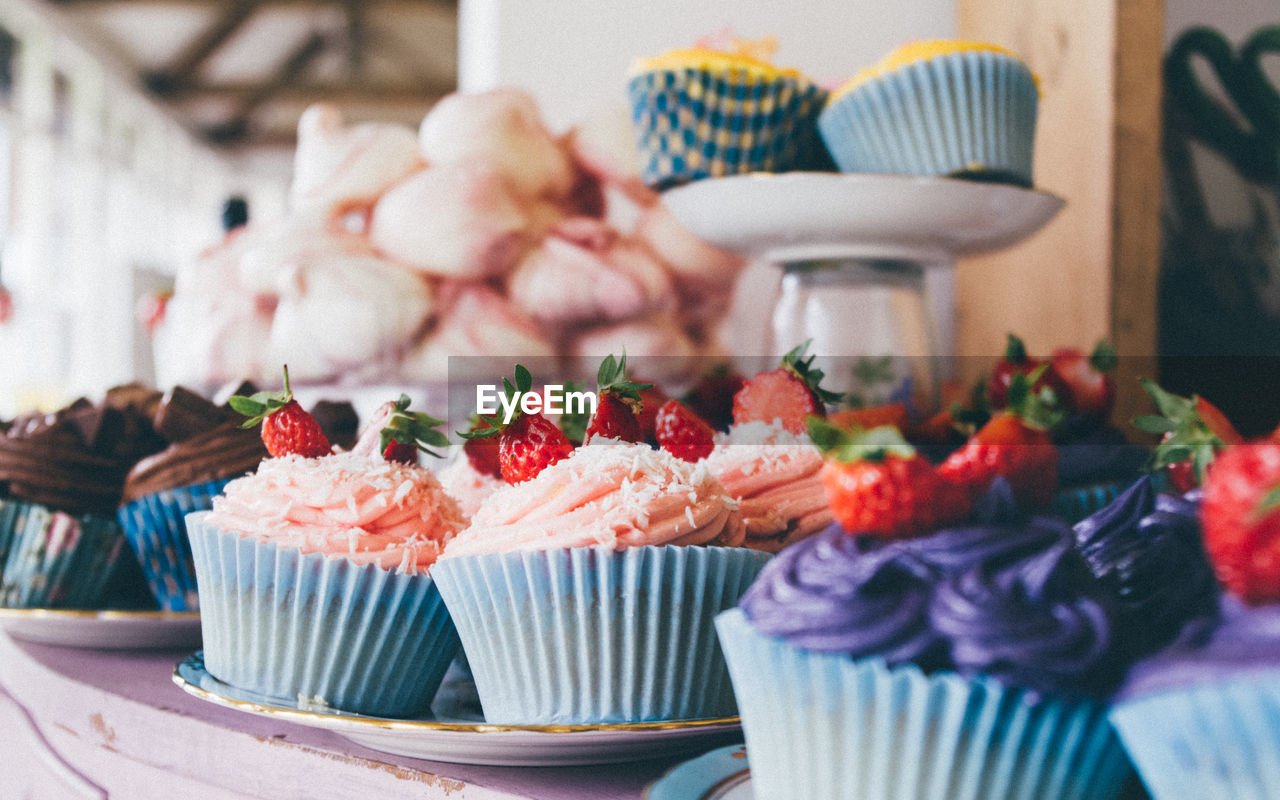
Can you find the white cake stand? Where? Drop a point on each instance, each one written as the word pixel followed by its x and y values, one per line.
pixel 865 261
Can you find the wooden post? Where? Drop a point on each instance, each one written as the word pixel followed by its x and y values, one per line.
pixel 1093 271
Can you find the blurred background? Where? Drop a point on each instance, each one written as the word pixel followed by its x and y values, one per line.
pixel 125 126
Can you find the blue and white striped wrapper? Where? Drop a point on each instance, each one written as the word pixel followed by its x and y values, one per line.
pixel 592 635
pixel 324 632
pixel 826 725
pixel 156 528
pixel 970 113
pixel 693 123
pixel 1075 504
pixel 1213 740
pixel 55 559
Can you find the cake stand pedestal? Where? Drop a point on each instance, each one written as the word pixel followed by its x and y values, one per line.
pixel 865 263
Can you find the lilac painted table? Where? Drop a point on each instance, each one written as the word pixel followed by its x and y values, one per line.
pixel 86 724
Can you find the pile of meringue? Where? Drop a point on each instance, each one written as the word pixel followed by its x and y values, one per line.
pixel 482 235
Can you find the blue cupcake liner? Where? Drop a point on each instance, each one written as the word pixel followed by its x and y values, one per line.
pixel 1217 739
pixel 969 113
pixel 825 725
pixel 692 124
pixel 1074 505
pixel 591 635
pixel 56 560
pixel 320 631
pixel 156 528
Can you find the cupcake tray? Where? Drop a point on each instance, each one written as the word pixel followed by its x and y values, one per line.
pixel 721 774
pixel 103 630
pixel 454 731
pixel 807 216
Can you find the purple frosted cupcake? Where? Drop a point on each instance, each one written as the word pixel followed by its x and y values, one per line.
pixel 970 663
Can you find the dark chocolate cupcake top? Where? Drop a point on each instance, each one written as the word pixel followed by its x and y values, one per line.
pixel 75 460
pixel 206 443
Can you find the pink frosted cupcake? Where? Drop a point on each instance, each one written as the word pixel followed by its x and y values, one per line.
pixel 774 476
pixel 314 583
pixel 587 594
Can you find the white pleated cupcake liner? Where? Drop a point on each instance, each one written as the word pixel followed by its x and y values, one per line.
pixel 970 113
pixel 693 124
pixel 590 635
pixel 1213 740
pixel 323 632
pixel 156 528
pixel 825 725
pixel 56 560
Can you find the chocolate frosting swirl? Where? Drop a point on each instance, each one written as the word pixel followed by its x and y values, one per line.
pixel 1004 596
pixel 1146 549
pixel 226 451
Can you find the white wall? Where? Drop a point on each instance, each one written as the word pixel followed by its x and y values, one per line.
pixel 574 54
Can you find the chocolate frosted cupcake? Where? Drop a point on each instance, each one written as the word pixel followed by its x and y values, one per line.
pixel 207 449
pixel 61 479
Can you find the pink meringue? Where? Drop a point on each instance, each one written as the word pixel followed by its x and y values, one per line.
pixel 503 128
pixel 459 220
pixel 614 495
pixel 368 511
pixel 477 323
pixel 582 271
pixel 657 346
pixel 336 166
pixel 774 476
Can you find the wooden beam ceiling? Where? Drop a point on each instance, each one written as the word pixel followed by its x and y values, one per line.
pixel 349 39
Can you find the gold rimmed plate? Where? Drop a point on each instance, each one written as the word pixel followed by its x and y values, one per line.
pixel 455 731
pixel 721 774
pixel 104 629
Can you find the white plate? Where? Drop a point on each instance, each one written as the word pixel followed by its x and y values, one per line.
pixel 455 731
pixel 807 216
pixel 104 630
pixel 719 775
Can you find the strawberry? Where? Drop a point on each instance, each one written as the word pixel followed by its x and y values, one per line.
pixel 1240 512
pixel 878 484
pixel 650 401
pixel 788 395
pixel 406 432
pixel 1014 443
pixel 1017 362
pixel 287 428
pixel 712 396
pixel 618 403
pixel 1192 433
pixel 481 452
pixel 528 443
pixel 682 433
pixel 1089 386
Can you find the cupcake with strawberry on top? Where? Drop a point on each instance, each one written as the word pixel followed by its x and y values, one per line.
pixel 766 460
pixel 584 589
pixel 314 572
pixel 1202 717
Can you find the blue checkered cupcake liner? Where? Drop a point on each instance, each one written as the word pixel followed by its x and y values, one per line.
pixel 52 559
pixel 322 632
pixel 1219 739
pixel 692 124
pixel 825 725
pixel 156 528
pixel 591 635
pixel 1075 504
pixel 967 114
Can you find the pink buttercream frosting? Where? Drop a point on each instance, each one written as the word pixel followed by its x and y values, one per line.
pixel 345 505
pixel 774 476
pixel 465 484
pixel 612 495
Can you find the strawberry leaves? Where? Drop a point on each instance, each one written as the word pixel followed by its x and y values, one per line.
pixel 412 428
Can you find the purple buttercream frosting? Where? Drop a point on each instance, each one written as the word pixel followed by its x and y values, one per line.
pixel 1147 549
pixel 1005 596
pixel 1239 642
